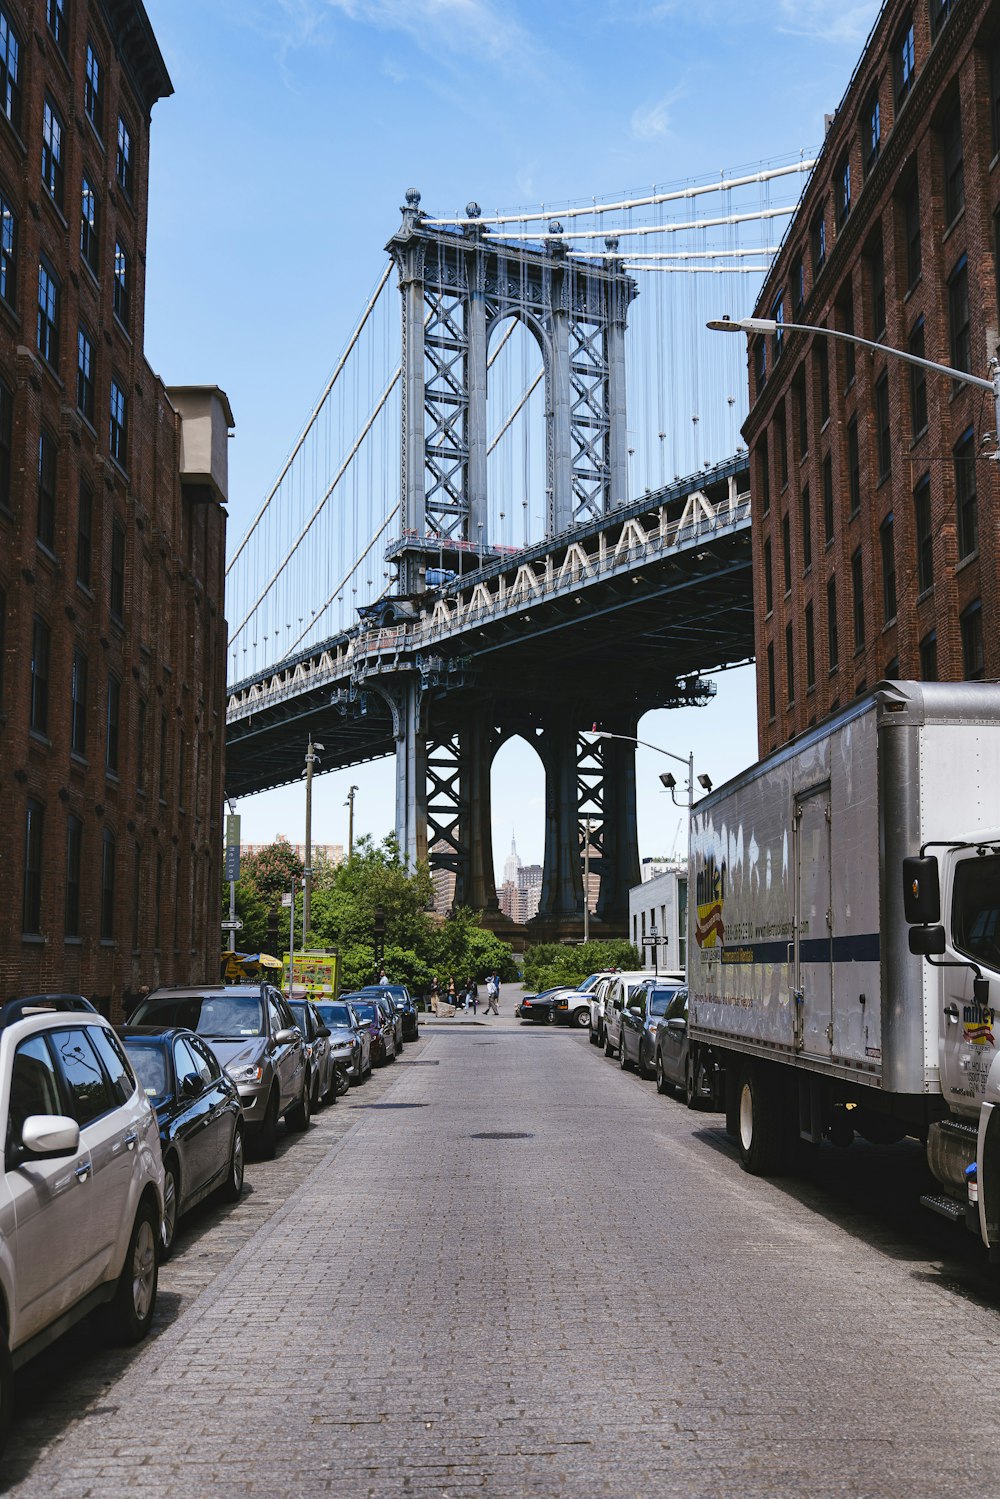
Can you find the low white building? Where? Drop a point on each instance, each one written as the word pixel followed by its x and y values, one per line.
pixel 658 907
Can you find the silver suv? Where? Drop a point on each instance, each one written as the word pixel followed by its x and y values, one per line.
pixel 254 1035
pixel 619 997
pixel 81 1189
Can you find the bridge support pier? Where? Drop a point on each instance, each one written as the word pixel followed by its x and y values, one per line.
pixel 411 772
pixel 619 864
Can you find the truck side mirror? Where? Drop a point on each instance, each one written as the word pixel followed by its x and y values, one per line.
pixel 921 892
pixel 927 941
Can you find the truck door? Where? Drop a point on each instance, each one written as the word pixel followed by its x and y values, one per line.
pixel 812 966
pixel 968 1029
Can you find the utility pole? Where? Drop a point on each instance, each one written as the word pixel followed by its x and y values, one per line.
pixel 311 759
pixel 350 822
pixel 586 880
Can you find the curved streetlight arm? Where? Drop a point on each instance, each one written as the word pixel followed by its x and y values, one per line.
pixel 681 760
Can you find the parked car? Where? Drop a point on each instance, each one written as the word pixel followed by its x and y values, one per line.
pixel 81 1186
pixel 573 1008
pixel 619 997
pixel 642 1021
pixel 403 1002
pixel 253 1033
pixel 597 991
pixel 539 1008
pixel 676 1068
pixel 350 1041
pixel 380 1030
pixel 391 1014
pixel 198 1112
pixel 318 1055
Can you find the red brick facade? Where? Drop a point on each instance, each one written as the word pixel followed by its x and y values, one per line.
pixel 111 568
pixel 874 495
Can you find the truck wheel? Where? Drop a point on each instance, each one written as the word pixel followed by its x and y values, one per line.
pixel 609 1050
pixel 760 1139
pixel 623 1061
pixel 594 1037
pixel 691 1080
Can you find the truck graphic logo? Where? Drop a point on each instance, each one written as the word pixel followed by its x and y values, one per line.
pixel 710 891
pixel 977 1023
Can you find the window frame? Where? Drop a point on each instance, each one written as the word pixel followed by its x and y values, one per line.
pixel 32 868
pixel 53 163
pixel 85 392
pixel 93 89
pixel 78 684
pixel 49 310
pixel 887 548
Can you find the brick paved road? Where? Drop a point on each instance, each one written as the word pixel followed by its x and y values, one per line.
pixel 607 1306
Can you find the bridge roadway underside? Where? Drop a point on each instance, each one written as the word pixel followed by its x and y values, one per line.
pixel 586 659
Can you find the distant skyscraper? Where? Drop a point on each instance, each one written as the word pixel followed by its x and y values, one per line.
pixel 512 866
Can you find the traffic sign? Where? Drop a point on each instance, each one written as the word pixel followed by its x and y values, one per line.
pixel 232 926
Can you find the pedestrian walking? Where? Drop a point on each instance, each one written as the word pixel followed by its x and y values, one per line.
pixel 492 994
pixel 434 995
pixel 472 989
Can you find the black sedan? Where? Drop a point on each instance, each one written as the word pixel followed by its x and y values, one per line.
pixel 380 1028
pixel 198 1110
pixel 542 1009
pixel 399 994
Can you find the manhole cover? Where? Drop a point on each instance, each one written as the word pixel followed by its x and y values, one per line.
pixel 405 1062
pixel 390 1106
pixel 502 1134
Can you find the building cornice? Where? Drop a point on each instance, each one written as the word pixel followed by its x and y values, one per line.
pixel 138 50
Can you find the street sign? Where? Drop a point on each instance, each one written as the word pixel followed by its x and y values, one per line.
pixel 286 899
pixel 232 926
pixel 232 867
pixel 654 941
pixel 233 830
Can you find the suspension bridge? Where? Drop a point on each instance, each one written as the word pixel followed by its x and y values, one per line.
pixel 476 536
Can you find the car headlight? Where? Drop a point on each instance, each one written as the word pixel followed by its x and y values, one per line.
pixel 248 1073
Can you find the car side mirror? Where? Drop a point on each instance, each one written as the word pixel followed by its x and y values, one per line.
pixel 286 1036
pixel 324 1030
pixel 635 1010
pixel 927 941
pixel 49 1135
pixel 191 1085
pixel 921 891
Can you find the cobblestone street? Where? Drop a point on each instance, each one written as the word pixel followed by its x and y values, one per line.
pixel 505 1268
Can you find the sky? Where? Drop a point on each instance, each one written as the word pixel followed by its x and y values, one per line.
pixel 277 171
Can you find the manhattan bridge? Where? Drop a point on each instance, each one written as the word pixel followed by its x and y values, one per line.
pixel 519 507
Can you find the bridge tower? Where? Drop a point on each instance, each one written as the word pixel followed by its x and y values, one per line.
pixel 458 284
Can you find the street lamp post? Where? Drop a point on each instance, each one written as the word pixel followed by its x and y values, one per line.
pixel 667 779
pixel 312 759
pixel 771 325
pixel 350 823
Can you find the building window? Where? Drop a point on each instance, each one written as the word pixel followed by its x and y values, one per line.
pixel 781 435
pixel 842 178
pixel 872 136
pixel 40 642
pixel 93 90
pixel 823 378
pixel 817 242
pixel 882 432
pixel 78 705
pixel 760 363
pixel 954 168
pixel 181 769
pixel 162 784
pixel 810 649
pixel 911 230
pixel 995 93
pixel 853 466
pixel 789 666
pixel 34 824
pixel 85 375
pixel 121 291
pixel 48 312
pixel 918 380
pixel 966 501
pixel 107 886
pixel 159 901
pixel 52 152
pixel 845 322
pixel 858 589
pixel 828 499
pixel 833 649
pixel 112 725
pixel 903 63
pixel 778 314
pixel 55 16
pixel 3 637
pixel 888 547
pixel 801 412
pixel 768 579
pixel 876 271
pixel 74 851
pixel 763 476
pixel 958 316
pixel 771 697
pixel 971 626
pixel 117 580
pixel 90 232
pixel 140 746
pixel 136 897
pixel 10 70
pixel 6 443
pixel 807 537
pixel 47 489
pixel 118 430
pixel 8 249
pixel 940 11
pixel 124 164
pixel 798 283
pixel 786 551
pixel 84 534
pixel 928 657
pixel 924 535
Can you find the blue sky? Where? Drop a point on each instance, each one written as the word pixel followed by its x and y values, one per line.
pixel 278 168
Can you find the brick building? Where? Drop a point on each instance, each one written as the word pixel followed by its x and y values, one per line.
pixel 112 532
pixel 876 549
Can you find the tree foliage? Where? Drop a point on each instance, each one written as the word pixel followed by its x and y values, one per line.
pixel 552 963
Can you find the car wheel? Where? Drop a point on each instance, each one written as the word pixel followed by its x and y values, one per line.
pixel 662 1086
pixel 131 1311
pixel 268 1137
pixel 609 1050
pixel 171 1197
pixel 623 1061
pixel 759 1112
pixel 6 1388
pixel 691 1080
pixel 298 1116
pixel 232 1187
pixel 314 1098
pixel 582 1019
pixel 594 1037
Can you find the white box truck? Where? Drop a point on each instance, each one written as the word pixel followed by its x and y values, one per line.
pixel 844 940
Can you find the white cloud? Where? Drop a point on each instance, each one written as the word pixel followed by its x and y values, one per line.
pixel 830 20
pixel 477 28
pixel 652 121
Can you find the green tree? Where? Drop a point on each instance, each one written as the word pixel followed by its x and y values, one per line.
pixel 552 963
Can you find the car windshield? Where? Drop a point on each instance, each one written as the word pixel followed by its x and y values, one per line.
pixel 225 1017
pixel 589 983
pixel 149 1063
pixel 365 1010
pixel 659 999
pixel 299 1011
pixel 335 1016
